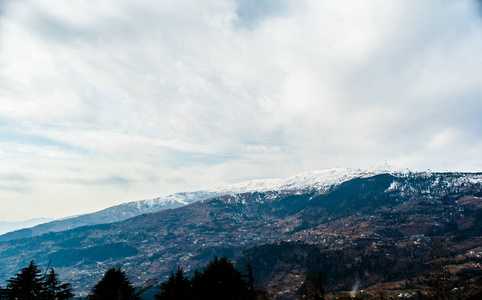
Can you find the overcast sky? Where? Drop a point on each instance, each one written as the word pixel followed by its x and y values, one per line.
pixel 104 102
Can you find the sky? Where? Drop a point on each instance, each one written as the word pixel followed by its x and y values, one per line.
pixel 105 102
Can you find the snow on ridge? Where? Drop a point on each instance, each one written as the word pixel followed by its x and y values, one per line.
pixel 318 180
pixel 323 179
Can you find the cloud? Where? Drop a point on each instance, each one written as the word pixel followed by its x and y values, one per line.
pixel 127 100
pixel 479 4
pixel 250 12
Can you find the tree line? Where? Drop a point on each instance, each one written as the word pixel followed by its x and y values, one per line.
pixel 30 283
pixel 218 280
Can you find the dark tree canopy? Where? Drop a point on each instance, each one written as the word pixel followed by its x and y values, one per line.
pixel 54 289
pixel 114 286
pixel 177 287
pixel 30 284
pixel 25 285
pixel 219 280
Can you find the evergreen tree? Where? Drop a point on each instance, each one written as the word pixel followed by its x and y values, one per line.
pixel 3 293
pixel 29 284
pixel 114 286
pixel 220 280
pixel 249 277
pixel 53 289
pixel 253 291
pixel 177 287
pixel 26 285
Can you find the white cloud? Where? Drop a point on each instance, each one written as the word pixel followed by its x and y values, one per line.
pixel 125 100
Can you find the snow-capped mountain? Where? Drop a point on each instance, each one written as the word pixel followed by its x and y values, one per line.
pixel 319 181
pixel 340 211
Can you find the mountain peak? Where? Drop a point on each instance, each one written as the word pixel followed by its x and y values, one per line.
pixel 317 179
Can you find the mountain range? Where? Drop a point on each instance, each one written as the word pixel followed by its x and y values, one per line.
pixel 313 180
pixel 360 228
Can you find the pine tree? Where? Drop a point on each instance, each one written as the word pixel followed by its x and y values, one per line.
pixel 53 289
pixel 114 286
pixel 26 285
pixel 220 280
pixel 3 293
pixel 177 287
pixel 249 277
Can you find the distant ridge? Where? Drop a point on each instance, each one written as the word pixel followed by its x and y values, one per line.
pixel 12 226
pixel 319 181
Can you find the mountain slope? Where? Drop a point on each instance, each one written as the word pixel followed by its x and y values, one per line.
pixel 319 181
pixel 108 215
pixel 388 217
pixel 12 226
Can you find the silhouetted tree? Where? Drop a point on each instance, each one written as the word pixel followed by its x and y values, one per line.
pixel 114 286
pixel 53 289
pixel 3 293
pixel 220 280
pixel 249 277
pixel 30 284
pixel 177 287
pixel 25 285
